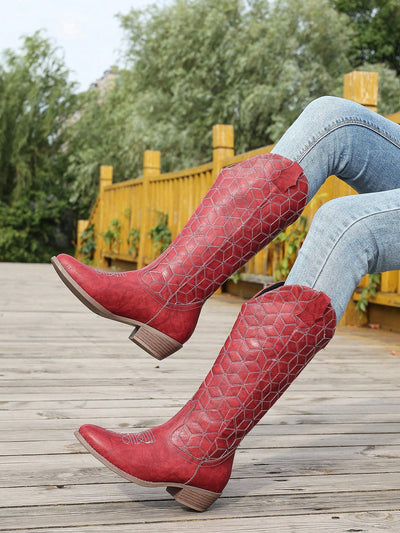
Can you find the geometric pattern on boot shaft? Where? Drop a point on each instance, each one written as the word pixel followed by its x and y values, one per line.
pixel 247 206
pixel 276 334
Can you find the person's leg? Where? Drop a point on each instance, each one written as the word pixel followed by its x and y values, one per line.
pixel 247 206
pixel 348 238
pixel 337 136
pixel 276 334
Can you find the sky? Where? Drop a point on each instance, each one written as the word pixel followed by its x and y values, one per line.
pixel 86 30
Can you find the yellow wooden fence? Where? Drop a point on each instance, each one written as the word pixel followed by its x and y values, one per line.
pixel 134 204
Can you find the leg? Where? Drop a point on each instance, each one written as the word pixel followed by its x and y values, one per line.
pixel 349 237
pixel 337 136
pixel 247 206
pixel 276 334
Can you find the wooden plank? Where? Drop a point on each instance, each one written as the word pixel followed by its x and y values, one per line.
pixel 307 383
pixel 82 469
pixel 98 368
pixel 160 511
pixel 381 521
pixel 60 429
pixel 292 405
pixel 70 445
pixel 382 298
pixel 72 494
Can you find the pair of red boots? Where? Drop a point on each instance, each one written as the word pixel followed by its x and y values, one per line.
pixel 275 335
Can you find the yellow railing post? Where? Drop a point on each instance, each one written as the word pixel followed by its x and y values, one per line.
pixel 389 281
pixel 82 225
pixel 151 167
pixel 223 146
pixel 362 87
pixel 151 163
pixel 106 177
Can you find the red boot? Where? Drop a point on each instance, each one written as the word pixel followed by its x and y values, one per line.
pixel 276 334
pixel 248 205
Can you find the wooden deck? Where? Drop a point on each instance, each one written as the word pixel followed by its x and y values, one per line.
pixel 325 459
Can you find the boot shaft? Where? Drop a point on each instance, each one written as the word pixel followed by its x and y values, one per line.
pixel 247 206
pixel 275 336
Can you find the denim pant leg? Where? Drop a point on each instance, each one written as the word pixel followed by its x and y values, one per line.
pixel 337 136
pixel 348 238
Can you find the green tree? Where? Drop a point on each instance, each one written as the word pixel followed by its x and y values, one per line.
pixel 33 228
pixel 193 63
pixel 377 30
pixel 36 100
pixel 254 64
pixel 99 137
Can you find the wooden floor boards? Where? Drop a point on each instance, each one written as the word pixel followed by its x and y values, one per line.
pixel 325 459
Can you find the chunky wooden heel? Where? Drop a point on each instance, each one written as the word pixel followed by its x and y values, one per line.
pixel 154 342
pixel 193 497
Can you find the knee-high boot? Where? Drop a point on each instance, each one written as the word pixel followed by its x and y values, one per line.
pixel 248 205
pixel 276 334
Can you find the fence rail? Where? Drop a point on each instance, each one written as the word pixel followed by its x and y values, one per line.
pixel 125 212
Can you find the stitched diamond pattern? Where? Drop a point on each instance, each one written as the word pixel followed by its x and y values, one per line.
pixel 276 334
pixel 248 205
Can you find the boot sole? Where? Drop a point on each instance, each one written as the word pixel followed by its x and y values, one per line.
pixel 154 342
pixel 192 497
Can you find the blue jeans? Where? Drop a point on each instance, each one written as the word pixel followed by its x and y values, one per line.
pixel 353 235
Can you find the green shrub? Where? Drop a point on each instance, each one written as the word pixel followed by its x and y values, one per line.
pixel 33 229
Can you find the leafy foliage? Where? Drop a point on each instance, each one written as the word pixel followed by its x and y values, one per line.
pixel 188 65
pixel 112 235
pixel 376 24
pixel 191 64
pixel 291 239
pixel 88 244
pixel 251 64
pixel 235 278
pixel 368 291
pixel 133 241
pixel 36 100
pixel 32 229
pixel 160 233
pixel 99 136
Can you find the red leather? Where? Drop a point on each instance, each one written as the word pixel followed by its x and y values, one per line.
pixel 276 334
pixel 247 206
pixel 149 456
